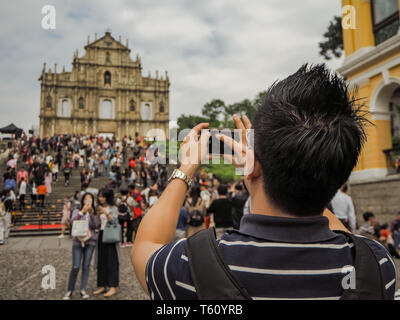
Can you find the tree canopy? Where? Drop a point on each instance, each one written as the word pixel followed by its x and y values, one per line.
pixel 333 44
pixel 219 115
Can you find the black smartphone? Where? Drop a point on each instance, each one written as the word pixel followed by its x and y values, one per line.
pixel 216 146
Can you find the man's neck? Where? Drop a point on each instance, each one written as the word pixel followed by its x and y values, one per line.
pixel 260 204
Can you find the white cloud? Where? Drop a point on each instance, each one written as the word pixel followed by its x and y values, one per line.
pixel 211 49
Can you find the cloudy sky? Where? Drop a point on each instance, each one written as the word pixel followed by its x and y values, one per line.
pixel 228 49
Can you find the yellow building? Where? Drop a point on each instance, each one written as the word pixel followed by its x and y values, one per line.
pixel 105 93
pixel 372 63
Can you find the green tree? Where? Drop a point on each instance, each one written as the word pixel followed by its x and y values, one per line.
pixel 259 99
pixel 220 115
pixel 333 44
pixel 245 107
pixel 212 110
pixel 188 122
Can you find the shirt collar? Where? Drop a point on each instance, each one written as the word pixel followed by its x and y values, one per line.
pixel 292 230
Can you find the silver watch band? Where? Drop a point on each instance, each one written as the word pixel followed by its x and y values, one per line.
pixel 178 174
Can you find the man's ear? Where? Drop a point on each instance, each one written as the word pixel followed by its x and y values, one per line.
pixel 257 171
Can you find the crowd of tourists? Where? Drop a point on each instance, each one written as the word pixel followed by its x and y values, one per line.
pixel 35 164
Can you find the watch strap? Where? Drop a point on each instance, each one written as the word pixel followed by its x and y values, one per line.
pixel 178 174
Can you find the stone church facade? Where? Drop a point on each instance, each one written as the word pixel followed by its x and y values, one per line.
pixel 105 93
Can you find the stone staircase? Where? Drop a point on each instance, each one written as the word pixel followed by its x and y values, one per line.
pixel 51 214
pixel 34 220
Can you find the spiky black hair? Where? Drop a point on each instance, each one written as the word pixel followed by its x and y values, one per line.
pixel 308 134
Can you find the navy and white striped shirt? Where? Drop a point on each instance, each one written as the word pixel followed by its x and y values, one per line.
pixel 274 258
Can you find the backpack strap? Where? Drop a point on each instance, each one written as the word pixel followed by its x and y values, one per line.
pixel 212 278
pixel 369 283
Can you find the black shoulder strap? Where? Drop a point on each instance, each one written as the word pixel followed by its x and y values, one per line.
pixel 369 284
pixel 212 278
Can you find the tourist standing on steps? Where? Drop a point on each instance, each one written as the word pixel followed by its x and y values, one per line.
pixel 5 215
pixel 66 216
pixel 67 172
pixel 108 255
pixel 54 171
pixel 82 249
pixel 22 193
pixel 48 180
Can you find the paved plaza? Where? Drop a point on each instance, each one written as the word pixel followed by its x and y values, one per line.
pixel 22 260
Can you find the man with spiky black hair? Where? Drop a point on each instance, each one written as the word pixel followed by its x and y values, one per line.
pixel 308 134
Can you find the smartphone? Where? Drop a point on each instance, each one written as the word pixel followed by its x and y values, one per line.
pixel 216 146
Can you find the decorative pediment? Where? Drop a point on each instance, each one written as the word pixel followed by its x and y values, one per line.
pixel 106 42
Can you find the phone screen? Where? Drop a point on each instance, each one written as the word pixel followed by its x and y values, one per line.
pixel 216 146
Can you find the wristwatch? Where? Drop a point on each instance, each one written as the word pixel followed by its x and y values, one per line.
pixel 178 174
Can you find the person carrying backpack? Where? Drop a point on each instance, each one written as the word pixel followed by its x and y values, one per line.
pixel 302 146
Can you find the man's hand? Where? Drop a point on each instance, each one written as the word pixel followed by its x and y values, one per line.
pixel 243 157
pixel 194 149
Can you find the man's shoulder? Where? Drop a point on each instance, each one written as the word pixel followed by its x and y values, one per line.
pixel 386 265
pixel 168 275
pixel 377 248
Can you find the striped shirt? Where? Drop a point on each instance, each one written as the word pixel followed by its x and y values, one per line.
pixel 274 258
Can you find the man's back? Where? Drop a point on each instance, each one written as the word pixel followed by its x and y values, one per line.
pixel 274 258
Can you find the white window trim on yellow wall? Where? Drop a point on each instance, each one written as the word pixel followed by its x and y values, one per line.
pixel 363 59
pixel 380 68
pixel 355 56
pixel 377 112
pixel 364 78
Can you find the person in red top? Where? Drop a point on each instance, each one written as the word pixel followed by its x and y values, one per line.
pixel 132 163
pixel 137 210
pixel 41 191
pixel 387 240
pixel 22 173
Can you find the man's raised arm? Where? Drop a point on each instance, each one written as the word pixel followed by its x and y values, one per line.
pixel 158 226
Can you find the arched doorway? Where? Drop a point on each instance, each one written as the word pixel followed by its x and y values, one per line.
pixel 394 109
pixel 64 108
pixel 106 109
pixel 146 111
pixel 385 114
